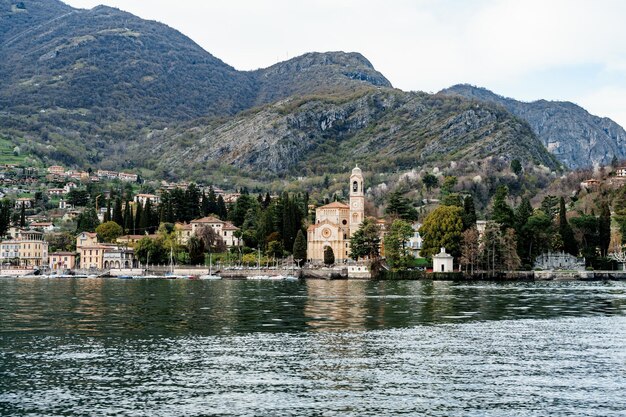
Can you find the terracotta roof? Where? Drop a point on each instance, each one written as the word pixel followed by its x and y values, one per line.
pixel 335 204
pixel 63 254
pixel 183 226
pixel 209 219
pixel 229 226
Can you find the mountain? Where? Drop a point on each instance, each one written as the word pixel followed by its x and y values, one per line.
pixel 119 65
pixel 578 139
pixel 384 129
pixel 103 88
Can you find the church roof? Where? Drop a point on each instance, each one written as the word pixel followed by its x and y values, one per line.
pixel 334 205
pixel 324 222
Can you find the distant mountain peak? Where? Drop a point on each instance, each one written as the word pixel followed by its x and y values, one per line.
pixel 577 138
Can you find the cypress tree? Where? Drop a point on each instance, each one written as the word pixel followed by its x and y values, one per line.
pixel 204 205
pixel 23 216
pixel 469 213
pixel 107 214
pixel 565 230
pixel 299 248
pixel 212 202
pixel 128 219
pixel 148 221
pixel 604 228
pixel 329 256
pixel 138 219
pixel 118 217
pixel 221 210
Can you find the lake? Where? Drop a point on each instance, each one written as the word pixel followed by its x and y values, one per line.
pixel 100 347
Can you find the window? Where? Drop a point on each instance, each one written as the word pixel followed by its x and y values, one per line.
pixel 355 186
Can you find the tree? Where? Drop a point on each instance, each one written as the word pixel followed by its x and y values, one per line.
pixel 78 198
pixel 109 231
pixel 499 249
pixel 213 242
pixel 329 256
pixel 275 249
pixel 442 228
pixel 87 221
pixel 501 213
pixel 565 231
pixel 430 181
pixel 449 182
pixel 469 213
pixel 604 228
pixel 550 206
pixel 299 248
pixel 365 242
pixel 396 250
pixel 107 214
pixel 60 242
pixel 5 216
pixel 516 167
pixel 23 215
pixel 118 216
pixel 222 212
pixel 470 249
pixel 129 224
pixel 400 207
pixel 195 246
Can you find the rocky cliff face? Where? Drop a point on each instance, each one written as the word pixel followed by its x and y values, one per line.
pixel 577 138
pixel 386 129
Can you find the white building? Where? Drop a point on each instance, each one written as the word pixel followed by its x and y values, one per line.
pixel 416 241
pixel 443 262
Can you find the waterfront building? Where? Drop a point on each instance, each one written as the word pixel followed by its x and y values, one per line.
pixel 91 252
pixel 26 248
pixel 118 257
pixel 60 261
pixel 336 222
pixel 559 260
pixel 225 230
pixel 443 262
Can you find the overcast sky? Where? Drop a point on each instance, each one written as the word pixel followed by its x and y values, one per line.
pixel 558 49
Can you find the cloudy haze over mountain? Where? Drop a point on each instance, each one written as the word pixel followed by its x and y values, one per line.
pixel 560 50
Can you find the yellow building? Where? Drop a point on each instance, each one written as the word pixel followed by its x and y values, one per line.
pixel 336 222
pixel 33 249
pixel 90 251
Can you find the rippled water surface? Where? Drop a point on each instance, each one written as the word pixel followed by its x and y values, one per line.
pixel 191 348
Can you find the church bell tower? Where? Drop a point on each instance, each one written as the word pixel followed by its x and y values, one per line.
pixel 357 200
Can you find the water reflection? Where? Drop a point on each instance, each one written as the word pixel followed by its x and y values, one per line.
pixel 175 307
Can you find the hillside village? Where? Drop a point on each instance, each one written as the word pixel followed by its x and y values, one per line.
pixel 61 219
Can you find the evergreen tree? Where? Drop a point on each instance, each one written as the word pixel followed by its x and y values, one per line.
pixel 87 221
pixel 192 197
pixel 565 230
pixel 118 217
pixel 138 219
pixel 23 215
pixel 5 217
pixel 604 228
pixel 204 205
pixel 365 242
pixel 267 201
pixel 221 210
pixel 128 219
pixel 212 202
pixel 148 224
pixel 501 212
pixel 299 248
pixel 550 206
pixel 442 228
pixel 469 213
pixel 400 207
pixel 107 214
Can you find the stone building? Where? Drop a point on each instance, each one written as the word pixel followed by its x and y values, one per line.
pixel 562 260
pixel 336 222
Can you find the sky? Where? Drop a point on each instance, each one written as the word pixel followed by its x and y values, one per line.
pixel 572 50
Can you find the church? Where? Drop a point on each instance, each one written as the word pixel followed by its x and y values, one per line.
pixel 336 222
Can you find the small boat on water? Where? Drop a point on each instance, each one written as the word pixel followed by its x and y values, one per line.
pixel 209 277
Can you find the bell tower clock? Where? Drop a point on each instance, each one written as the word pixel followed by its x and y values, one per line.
pixel 357 200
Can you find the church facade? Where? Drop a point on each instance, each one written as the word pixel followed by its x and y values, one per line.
pixel 336 222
